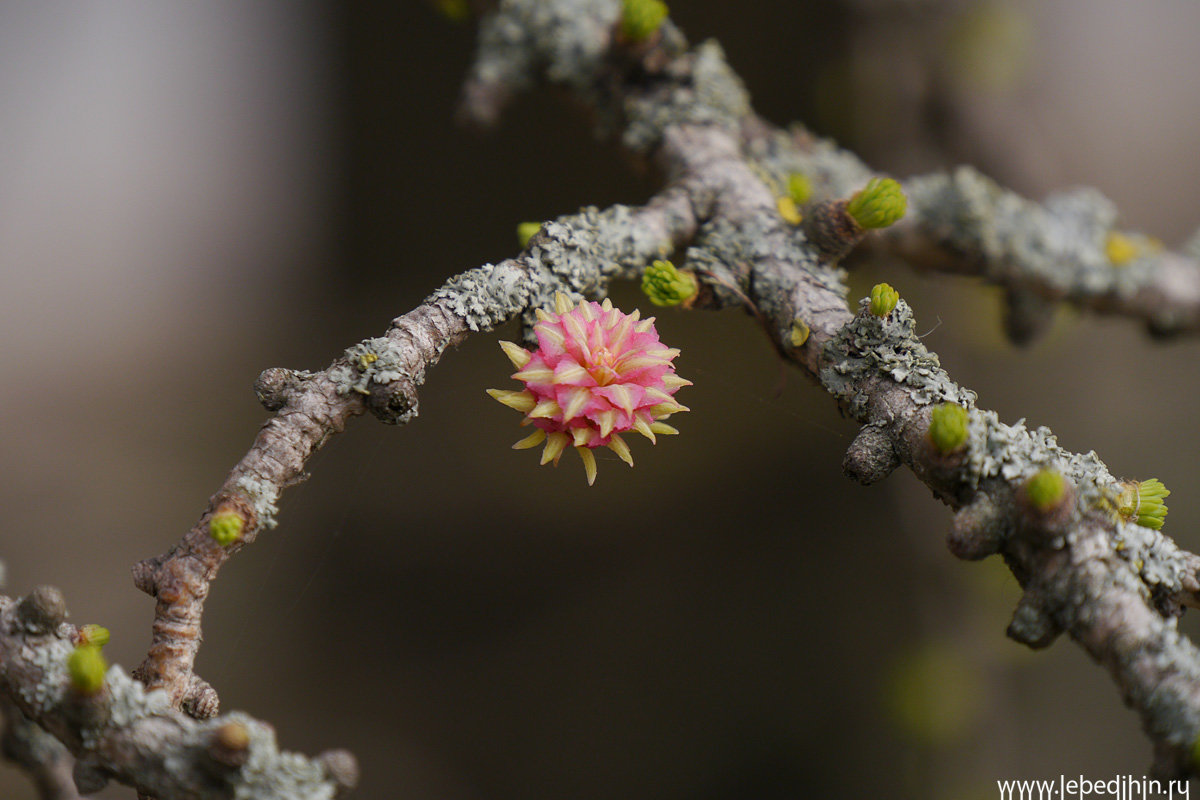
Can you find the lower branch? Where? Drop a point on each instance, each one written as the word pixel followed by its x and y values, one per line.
pixel 121 731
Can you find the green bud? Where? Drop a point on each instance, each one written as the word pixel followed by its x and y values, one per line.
pixel 225 526
pixel 883 299
pixel 526 231
pixel 640 19
pixel 667 286
pixel 93 635
pixel 86 666
pixel 1143 501
pixel 948 427
pixel 880 203
pixel 1046 489
pixel 799 188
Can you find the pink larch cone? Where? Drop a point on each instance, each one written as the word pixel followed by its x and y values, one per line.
pixel 597 373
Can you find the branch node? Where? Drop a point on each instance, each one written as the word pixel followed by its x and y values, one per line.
pixel 89 776
pixel 342 768
pixel 145 576
pixel 201 700
pixel 230 745
pixel 43 610
pixel 393 403
pixel 274 385
pixel 870 457
pixel 1032 624
pixel 831 230
pixel 979 530
pixel 1027 316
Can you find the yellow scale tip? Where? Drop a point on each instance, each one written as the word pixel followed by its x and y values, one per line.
pixel 532 440
pixel 589 463
pixel 555 444
pixel 522 401
pixel 641 427
pixel 618 446
pixel 518 355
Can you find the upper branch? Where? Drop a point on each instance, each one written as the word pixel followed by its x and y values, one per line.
pixel 1115 587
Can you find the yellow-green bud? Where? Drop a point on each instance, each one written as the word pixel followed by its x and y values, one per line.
pixel 86 666
pixel 799 188
pixel 1143 501
pixel 1046 489
pixel 667 286
pixel 788 209
pixel 225 526
pixel 93 635
pixel 1120 249
pixel 948 427
pixel 800 333
pixel 880 203
pixel 883 299
pixel 454 10
pixel 526 231
pixel 640 19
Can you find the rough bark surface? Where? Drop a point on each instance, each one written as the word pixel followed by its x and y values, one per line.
pixel 1114 587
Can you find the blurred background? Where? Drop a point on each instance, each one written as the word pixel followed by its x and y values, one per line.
pixel 190 193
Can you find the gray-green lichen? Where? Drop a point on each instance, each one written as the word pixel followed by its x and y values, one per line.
pixel 833 173
pixel 263 495
pixel 577 254
pixel 1014 452
pixel 1060 244
pixel 50 660
pixel 126 701
pixel 568 39
pixel 712 94
pixel 741 254
pixel 870 345
pixel 161 746
pixel 377 361
pixel 272 774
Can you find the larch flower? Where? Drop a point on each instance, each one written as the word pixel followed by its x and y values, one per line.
pixel 597 373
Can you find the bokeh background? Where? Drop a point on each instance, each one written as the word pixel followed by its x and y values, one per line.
pixel 190 193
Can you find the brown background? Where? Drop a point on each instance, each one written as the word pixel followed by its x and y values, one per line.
pixel 191 193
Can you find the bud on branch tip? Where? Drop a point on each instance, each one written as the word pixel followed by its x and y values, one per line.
pixel 94 635
pixel 225 526
pixel 1142 501
pixel 526 231
pixel 883 299
pixel 667 286
pixel 879 204
pixel 948 427
pixel 1046 489
pixel 641 19
pixel 86 667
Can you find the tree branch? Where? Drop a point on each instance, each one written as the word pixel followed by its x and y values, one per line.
pixel 128 733
pixel 1115 587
